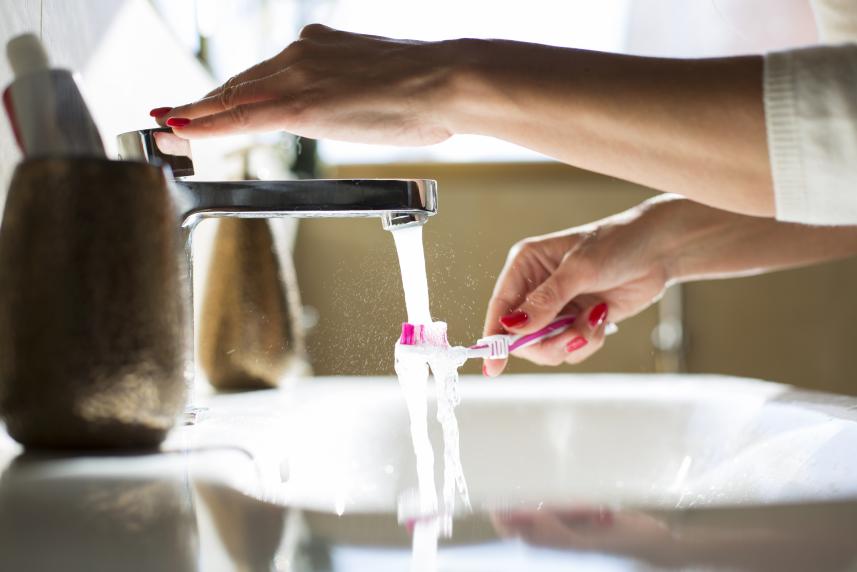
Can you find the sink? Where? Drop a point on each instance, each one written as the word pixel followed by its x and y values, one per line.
pixel 590 472
pixel 342 444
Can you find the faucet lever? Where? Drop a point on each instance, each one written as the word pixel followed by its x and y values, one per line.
pixel 158 146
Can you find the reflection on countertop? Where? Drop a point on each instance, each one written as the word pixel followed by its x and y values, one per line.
pixel 152 514
pixel 210 501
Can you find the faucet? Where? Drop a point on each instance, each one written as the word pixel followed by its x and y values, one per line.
pixel 398 202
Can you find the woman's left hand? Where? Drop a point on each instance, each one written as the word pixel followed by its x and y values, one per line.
pixel 605 271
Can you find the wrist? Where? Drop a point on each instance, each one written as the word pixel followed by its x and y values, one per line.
pixel 466 102
pixel 696 238
pixel 668 218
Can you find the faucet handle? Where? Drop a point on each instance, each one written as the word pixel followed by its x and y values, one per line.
pixel 160 146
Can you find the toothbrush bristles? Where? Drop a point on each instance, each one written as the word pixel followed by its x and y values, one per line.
pixel 407 337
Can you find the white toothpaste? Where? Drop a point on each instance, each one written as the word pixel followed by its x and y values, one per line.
pixel 45 107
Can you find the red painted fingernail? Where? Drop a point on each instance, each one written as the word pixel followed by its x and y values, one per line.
pixel 178 121
pixel 516 318
pixel 160 111
pixel 597 315
pixel 485 370
pixel 576 344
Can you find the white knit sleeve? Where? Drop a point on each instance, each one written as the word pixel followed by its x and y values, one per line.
pixel 811 119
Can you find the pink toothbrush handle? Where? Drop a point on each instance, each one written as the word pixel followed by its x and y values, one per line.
pixel 558 326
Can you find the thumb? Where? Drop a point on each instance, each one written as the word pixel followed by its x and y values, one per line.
pixel 541 305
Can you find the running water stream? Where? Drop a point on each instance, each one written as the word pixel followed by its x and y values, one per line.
pixel 432 519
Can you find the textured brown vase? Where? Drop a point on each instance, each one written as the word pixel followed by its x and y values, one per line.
pixel 93 323
pixel 250 335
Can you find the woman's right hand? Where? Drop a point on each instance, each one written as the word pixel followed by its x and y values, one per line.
pixel 601 272
pixel 333 84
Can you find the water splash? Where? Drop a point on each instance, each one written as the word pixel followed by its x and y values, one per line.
pixel 412 370
pixel 444 367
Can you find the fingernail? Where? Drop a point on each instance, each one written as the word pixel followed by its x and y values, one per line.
pixel 487 373
pixel 596 316
pixel 160 111
pixel 516 318
pixel 576 344
pixel 178 121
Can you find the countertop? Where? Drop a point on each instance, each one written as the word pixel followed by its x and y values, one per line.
pixel 308 478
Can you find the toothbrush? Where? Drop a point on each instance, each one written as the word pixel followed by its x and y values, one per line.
pixel 416 338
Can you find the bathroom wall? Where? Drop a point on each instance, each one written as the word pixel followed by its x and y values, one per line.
pixel 129 61
pixel 796 326
pixel 127 57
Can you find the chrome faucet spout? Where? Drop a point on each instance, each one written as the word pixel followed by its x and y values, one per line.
pixel 388 199
pixel 397 202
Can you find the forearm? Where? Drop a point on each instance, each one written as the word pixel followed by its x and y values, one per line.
pixel 695 127
pixel 701 242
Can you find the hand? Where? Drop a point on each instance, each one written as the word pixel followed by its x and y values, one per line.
pixel 627 260
pixel 334 85
pixel 585 528
pixel 608 270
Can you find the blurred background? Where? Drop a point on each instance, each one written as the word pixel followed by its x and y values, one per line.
pixel 795 327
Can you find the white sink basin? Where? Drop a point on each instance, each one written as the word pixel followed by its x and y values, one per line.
pixel 342 444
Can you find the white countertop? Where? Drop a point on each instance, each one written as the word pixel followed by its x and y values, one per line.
pixel 262 477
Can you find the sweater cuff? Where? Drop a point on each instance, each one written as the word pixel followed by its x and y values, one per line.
pixel 811 123
pixel 784 146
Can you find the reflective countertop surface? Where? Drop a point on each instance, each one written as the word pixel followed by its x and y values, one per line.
pixel 590 473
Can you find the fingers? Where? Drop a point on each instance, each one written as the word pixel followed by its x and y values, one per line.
pixel 577 343
pixel 542 304
pixel 497 307
pixel 252 117
pixel 325 74
pixel 516 307
pixel 256 72
pixel 265 89
pixel 544 300
pixel 256 83
pixel 510 291
pixel 241 94
pixel 493 367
